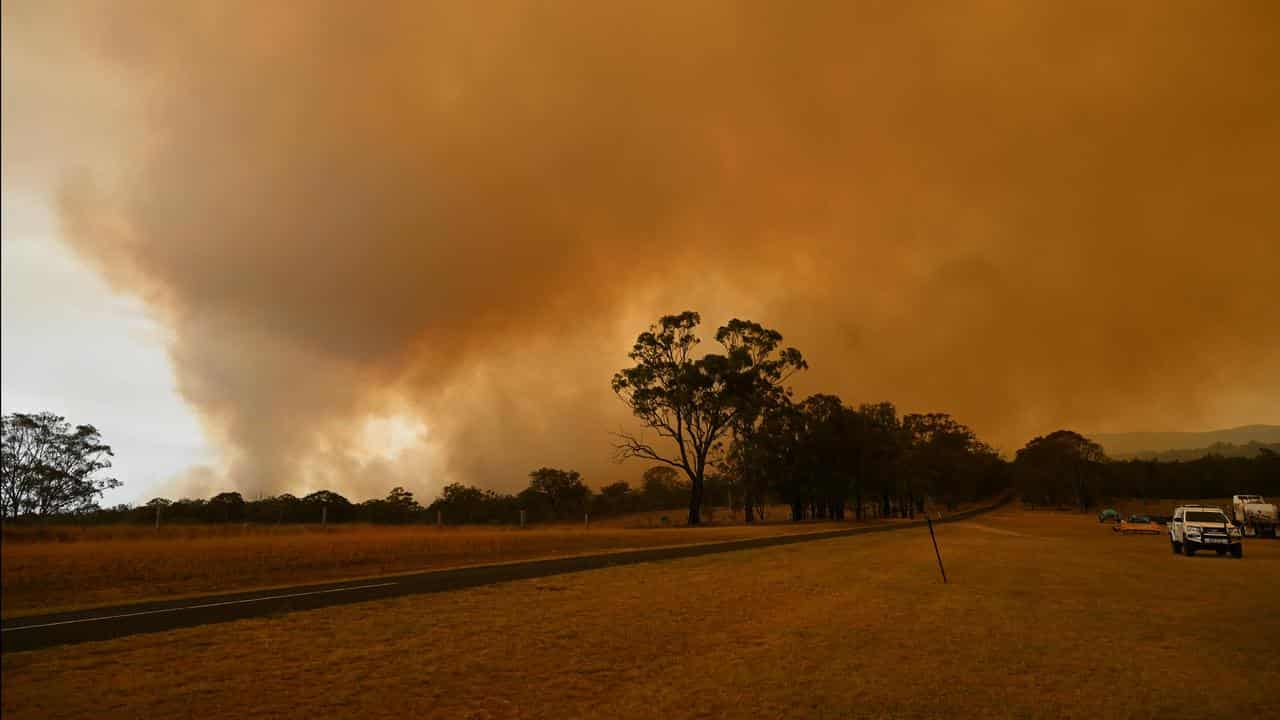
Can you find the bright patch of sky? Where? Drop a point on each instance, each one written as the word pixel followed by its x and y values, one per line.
pixel 72 346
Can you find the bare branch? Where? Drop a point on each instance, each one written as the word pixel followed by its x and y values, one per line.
pixel 631 446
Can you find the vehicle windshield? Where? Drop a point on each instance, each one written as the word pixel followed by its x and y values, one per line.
pixel 1213 517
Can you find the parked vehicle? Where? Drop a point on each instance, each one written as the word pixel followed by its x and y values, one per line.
pixel 1254 516
pixel 1109 515
pixel 1203 527
pixel 1138 525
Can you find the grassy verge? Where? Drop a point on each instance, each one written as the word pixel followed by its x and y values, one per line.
pixel 1048 615
pixel 91 571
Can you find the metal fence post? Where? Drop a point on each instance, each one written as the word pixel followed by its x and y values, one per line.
pixel 934 538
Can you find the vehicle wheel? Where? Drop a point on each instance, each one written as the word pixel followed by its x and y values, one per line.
pixel 1188 550
pixel 1237 551
pixel 1177 547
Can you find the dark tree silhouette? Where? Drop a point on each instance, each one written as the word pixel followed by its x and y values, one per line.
pixel 826 462
pixel 1061 465
pixel 327 504
pixel 945 458
pixel 227 507
pixel 402 504
pixel 563 490
pixel 753 346
pixel 48 467
pixel 614 498
pixel 662 489
pixel 693 402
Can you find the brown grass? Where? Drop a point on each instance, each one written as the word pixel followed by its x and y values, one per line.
pixel 1047 616
pixel 715 516
pixel 107 565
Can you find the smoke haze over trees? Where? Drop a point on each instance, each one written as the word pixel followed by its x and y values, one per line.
pixel 454 216
pixel 825 459
pixel 1145 445
pixel 862 480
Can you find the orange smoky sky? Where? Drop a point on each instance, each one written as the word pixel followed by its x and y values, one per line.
pixel 454 218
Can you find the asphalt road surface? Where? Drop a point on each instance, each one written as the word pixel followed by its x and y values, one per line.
pixel 41 631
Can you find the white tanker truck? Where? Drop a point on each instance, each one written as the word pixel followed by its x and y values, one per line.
pixel 1255 516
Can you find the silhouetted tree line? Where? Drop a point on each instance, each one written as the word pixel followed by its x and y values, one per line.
pixel 728 416
pixel 1212 476
pixel 552 496
pixel 559 496
pixel 820 457
pixel 1066 469
pixel 728 432
pixel 1246 450
pixel 827 460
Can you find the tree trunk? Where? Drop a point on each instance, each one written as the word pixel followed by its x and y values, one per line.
pixel 748 507
pixel 695 501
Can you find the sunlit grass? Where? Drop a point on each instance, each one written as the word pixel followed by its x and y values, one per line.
pixel 1047 615
pixel 113 564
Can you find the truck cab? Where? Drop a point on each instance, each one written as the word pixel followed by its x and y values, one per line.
pixel 1203 527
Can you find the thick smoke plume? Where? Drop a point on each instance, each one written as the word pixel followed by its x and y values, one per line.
pixel 449 220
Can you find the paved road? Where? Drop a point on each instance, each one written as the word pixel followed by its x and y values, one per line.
pixel 35 632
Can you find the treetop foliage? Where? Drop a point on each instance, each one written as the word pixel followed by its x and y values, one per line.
pixel 49 467
pixel 694 401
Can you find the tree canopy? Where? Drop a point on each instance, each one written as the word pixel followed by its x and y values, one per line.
pixel 1059 466
pixel 693 401
pixel 51 467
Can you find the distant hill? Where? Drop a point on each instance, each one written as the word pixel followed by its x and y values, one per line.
pixel 1247 450
pixel 1153 444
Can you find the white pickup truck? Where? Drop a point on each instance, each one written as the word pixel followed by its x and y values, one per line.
pixel 1202 527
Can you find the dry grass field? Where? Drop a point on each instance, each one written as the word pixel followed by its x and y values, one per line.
pixel 106 565
pixel 1048 615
